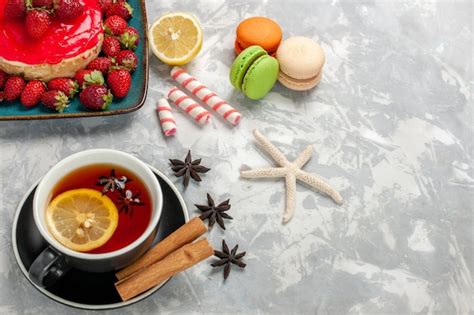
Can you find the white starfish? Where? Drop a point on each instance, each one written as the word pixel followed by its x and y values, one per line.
pixel 291 172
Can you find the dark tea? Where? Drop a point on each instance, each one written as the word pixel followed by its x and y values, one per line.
pixel 127 192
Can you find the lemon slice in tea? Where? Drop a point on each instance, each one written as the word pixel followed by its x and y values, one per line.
pixel 176 38
pixel 82 219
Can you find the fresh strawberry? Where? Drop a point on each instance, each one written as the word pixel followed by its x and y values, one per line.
pixel 129 38
pixel 105 4
pixel 80 77
pixel 111 46
pixel 37 22
pixel 15 9
pixel 3 78
pixel 122 9
pixel 96 97
pixel 1 96
pixel 55 100
pixel 66 85
pixel 13 87
pixel 46 4
pixel 68 9
pixel 101 64
pixel 115 25
pixel 119 82
pixel 127 59
pixel 31 94
pixel 86 77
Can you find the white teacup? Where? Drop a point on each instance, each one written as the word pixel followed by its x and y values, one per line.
pixel 57 259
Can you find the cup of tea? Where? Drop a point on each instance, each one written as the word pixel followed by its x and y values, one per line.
pixel 98 210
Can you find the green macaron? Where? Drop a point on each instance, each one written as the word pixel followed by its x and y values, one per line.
pixel 254 72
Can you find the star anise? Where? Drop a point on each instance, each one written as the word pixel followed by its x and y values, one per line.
pixel 188 168
pixel 228 258
pixel 111 182
pixel 127 200
pixel 214 213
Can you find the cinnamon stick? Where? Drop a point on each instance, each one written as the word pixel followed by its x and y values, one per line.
pixel 181 259
pixel 184 235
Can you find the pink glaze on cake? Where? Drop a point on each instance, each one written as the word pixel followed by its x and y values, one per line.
pixel 63 40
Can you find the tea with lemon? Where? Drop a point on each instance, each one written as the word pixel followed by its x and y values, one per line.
pixel 99 208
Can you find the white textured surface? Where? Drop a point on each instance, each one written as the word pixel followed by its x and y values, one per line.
pixel 391 124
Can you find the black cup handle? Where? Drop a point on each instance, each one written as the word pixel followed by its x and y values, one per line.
pixel 48 268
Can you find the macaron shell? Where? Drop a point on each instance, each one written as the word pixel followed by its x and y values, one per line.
pixel 299 85
pixel 260 31
pixel 300 57
pixel 242 63
pixel 238 49
pixel 260 77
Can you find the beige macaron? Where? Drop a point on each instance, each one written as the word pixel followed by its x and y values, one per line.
pixel 301 62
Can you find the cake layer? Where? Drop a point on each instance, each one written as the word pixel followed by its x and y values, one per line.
pixel 45 71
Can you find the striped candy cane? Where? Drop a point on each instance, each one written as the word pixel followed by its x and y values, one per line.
pixel 184 102
pixel 204 94
pixel 168 124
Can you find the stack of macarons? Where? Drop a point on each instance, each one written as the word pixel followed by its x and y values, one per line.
pixel 298 64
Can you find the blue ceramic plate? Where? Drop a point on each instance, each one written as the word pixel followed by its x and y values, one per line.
pixel 133 101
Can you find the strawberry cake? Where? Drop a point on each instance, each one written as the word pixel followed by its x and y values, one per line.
pixel 66 47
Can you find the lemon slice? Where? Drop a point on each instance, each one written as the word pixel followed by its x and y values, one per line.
pixel 82 219
pixel 176 38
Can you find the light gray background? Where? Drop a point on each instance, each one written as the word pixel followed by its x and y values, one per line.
pixel 391 125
